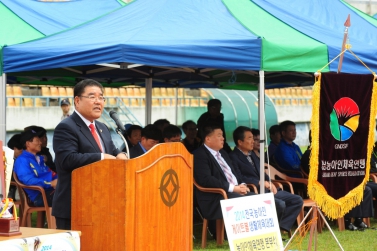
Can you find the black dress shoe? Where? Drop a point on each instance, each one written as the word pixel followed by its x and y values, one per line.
pixel 361 225
pixel 351 227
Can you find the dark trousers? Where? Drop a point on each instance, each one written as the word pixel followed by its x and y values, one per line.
pixel 63 223
pixel 365 209
pixel 288 207
pixel 38 201
pixel 212 223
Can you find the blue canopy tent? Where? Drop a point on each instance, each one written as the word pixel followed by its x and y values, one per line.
pixel 196 38
pixel 51 17
pixel 26 20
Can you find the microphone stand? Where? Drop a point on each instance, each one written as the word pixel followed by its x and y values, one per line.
pixel 124 140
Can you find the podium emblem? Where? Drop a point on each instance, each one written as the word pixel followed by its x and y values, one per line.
pixel 169 187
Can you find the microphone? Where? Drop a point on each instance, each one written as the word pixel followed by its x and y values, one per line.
pixel 116 119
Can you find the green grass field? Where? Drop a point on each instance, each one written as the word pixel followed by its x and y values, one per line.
pixel 349 240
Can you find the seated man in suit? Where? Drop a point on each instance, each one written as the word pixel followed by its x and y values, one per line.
pixel 150 136
pixel 214 169
pixel 288 205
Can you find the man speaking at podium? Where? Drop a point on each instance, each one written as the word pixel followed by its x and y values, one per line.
pixel 80 140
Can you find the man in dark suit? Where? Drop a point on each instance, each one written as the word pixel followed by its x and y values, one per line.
pixel 150 136
pixel 214 169
pixel 288 205
pixel 80 140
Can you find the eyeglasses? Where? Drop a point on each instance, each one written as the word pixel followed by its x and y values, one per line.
pixel 93 98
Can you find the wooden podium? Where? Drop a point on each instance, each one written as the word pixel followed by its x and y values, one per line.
pixel 144 203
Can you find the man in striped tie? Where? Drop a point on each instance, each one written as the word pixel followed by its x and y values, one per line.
pixel 214 169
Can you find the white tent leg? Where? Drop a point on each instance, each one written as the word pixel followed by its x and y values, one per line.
pixel 148 101
pixel 3 98
pixel 261 127
pixel 176 105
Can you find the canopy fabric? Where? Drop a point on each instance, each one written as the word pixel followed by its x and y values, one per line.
pixel 159 33
pixel 27 20
pixel 319 20
pixel 283 48
pixel 269 35
pixel 52 17
pixel 13 29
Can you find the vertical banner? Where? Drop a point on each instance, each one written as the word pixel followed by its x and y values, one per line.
pixel 343 122
pixel 251 223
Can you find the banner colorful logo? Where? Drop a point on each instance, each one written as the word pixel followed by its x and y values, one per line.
pixel 344 119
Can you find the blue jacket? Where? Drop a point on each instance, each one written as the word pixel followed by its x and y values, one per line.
pixel 288 156
pixel 32 173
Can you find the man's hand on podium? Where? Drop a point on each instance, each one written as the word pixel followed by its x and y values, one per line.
pixel 122 156
pixel 108 156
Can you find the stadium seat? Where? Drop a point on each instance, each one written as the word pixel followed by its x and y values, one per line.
pixel 130 91
pixel 11 102
pixel 270 93
pixel 299 92
pixel 46 91
pixel 203 93
pixel 137 91
pixel 17 101
pixel 171 92
pixel 123 92
pixel 38 102
pixel 69 91
pixel 277 92
pixel 9 90
pixel 54 91
pixel 142 91
pixel 155 102
pixel 126 101
pixel 17 91
pixel 156 92
pixel 27 102
pixel 116 92
pixel 287 92
pixel 62 91
pixel 164 92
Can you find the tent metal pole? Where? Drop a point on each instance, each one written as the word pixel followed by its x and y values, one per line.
pixel 3 129
pixel 148 101
pixel 261 128
pixel 176 105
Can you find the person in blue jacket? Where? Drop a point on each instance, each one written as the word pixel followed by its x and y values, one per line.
pixel 288 154
pixel 31 169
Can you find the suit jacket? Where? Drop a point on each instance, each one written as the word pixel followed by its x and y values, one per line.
pixel 136 151
pixel 249 173
pixel 75 146
pixel 208 173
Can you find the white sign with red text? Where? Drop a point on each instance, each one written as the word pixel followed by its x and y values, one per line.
pixel 251 223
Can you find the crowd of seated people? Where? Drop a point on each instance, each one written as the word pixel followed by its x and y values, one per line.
pixel 216 165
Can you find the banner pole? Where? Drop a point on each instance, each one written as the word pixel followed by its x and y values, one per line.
pixel 346 24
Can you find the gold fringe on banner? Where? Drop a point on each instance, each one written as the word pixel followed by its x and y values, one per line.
pixel 333 208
